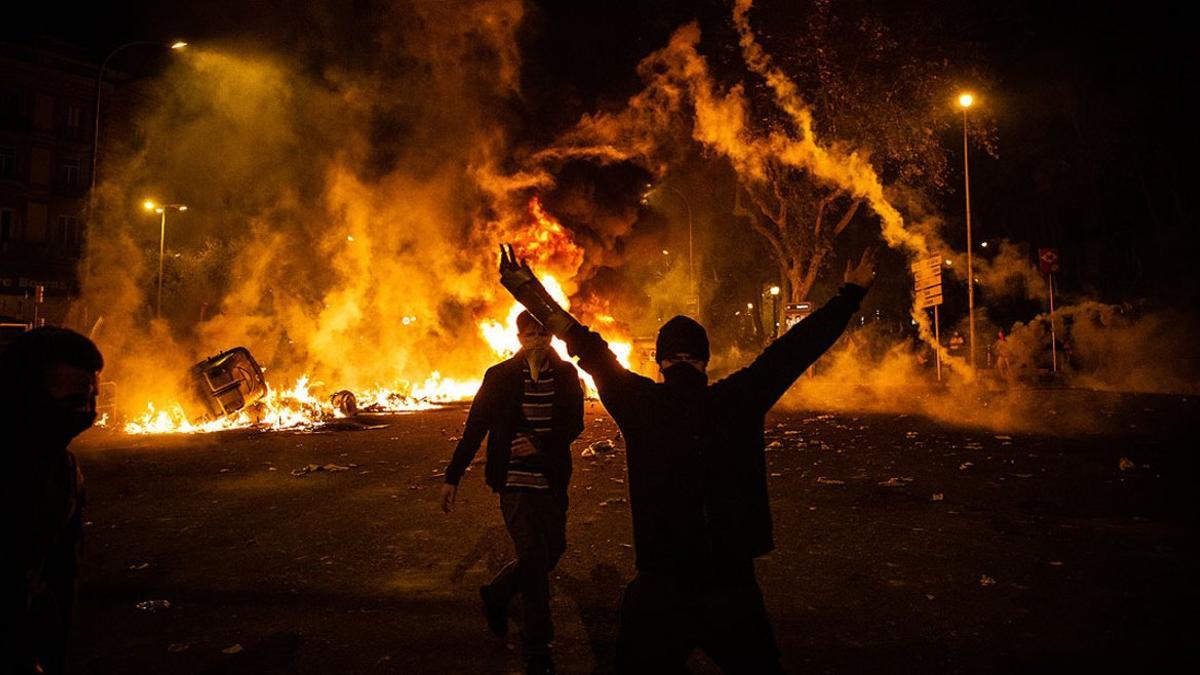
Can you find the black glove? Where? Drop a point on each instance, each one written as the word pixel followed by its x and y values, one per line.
pixel 525 287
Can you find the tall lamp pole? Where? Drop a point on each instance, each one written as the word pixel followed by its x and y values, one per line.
pixel 965 101
pixel 161 209
pixel 96 140
pixel 692 289
pixel 774 291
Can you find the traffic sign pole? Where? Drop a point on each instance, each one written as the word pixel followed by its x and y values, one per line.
pixel 937 338
pixel 1053 337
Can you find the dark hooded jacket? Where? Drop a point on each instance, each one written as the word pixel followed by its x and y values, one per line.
pixel 695 451
pixel 42 533
pixel 496 413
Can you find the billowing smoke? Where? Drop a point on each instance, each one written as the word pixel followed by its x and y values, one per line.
pixel 681 97
pixel 342 220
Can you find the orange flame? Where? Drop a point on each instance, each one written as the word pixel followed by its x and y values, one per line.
pixel 542 240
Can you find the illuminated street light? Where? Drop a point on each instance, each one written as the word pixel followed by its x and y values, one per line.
pixel 161 209
pixel 91 204
pixel 965 101
pixel 774 291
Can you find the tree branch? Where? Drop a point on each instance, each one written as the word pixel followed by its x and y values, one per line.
pixel 772 238
pixel 847 217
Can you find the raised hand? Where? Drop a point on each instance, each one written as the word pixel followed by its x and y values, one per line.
pixel 513 273
pixel 523 284
pixel 508 259
pixel 862 274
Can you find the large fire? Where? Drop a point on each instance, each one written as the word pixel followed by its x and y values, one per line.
pixel 552 252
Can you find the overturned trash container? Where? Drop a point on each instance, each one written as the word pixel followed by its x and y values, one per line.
pixel 345 401
pixel 224 384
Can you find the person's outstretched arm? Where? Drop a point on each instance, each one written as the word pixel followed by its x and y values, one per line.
pixel 766 379
pixel 479 420
pixel 592 351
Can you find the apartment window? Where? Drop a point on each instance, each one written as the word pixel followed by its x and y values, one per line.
pixel 70 172
pixel 73 118
pixel 8 161
pixel 68 229
pixel 8 225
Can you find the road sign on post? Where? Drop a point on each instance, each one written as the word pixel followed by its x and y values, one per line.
pixel 1048 264
pixel 927 292
pixel 1048 260
pixel 927 281
pixel 794 313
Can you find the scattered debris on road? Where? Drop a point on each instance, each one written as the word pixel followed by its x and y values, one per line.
pixel 313 468
pixel 153 606
pixel 598 448
pixel 343 424
pixel 232 649
pixel 1126 464
pixel 985 581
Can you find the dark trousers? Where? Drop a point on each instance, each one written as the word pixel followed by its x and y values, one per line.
pixel 664 617
pixel 537 523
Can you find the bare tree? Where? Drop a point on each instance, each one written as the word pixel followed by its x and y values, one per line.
pixel 874 83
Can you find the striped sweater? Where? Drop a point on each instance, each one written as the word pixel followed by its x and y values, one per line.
pixel 526 465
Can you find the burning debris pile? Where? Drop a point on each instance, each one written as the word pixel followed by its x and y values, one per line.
pixel 229 390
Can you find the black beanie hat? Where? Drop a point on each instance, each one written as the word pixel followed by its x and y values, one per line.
pixel 681 335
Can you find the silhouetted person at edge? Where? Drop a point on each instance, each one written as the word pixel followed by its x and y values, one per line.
pixel 697 477
pixel 48 386
pixel 531 408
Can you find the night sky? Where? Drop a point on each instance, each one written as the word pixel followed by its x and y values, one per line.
pixel 1088 104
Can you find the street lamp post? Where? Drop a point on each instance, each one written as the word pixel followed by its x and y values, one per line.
pixel 692 288
pixel 161 209
pixel 965 101
pixel 179 44
pixel 775 290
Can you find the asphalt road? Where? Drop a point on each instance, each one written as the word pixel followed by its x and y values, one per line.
pixel 904 545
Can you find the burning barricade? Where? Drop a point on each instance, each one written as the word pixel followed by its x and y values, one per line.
pixel 224 384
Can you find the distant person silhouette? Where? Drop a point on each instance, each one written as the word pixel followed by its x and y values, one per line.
pixel 697 477
pixel 955 347
pixel 48 388
pixel 1000 352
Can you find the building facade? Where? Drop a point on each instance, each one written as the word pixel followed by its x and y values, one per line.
pixel 47 103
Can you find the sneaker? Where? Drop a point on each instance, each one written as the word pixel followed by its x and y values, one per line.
pixel 495 613
pixel 539 664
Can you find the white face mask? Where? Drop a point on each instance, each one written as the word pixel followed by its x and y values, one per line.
pixel 534 342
